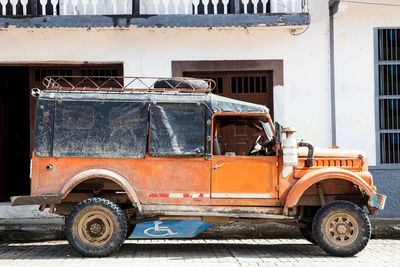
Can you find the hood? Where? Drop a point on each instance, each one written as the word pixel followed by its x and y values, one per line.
pixel 332 153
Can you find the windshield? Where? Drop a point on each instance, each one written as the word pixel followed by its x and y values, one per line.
pixel 268 130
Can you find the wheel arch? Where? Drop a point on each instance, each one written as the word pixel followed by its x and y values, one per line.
pixel 314 177
pixel 104 174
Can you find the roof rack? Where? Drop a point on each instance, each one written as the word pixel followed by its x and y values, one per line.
pixel 121 83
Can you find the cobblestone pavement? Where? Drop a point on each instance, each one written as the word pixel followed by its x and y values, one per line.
pixel 200 252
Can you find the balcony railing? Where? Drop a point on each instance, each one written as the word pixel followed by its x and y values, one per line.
pixel 35 8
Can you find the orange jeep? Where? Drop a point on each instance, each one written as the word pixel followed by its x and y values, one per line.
pixel 149 162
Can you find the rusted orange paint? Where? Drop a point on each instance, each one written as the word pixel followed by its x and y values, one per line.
pixel 247 175
pixel 144 176
pixel 316 176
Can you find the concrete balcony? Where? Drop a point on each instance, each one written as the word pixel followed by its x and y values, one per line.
pixel 152 13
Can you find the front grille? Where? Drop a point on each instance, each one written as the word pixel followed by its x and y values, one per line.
pixel 334 163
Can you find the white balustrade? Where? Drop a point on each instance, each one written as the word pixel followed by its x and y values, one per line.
pixel 215 5
pixel 43 3
pixel 225 3
pixel 165 7
pixel 245 2
pixel 287 6
pixel 196 4
pixel 158 7
pixel 3 6
pixel 24 3
pixel 14 6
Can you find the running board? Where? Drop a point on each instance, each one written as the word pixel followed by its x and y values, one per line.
pixel 218 211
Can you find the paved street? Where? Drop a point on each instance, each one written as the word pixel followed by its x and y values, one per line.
pixel 200 252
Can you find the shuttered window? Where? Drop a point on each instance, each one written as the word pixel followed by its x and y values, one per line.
pixel 389 95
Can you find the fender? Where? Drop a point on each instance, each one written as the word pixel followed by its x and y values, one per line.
pixel 316 176
pixel 102 173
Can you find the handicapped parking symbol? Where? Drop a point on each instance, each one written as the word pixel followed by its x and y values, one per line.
pixel 159 231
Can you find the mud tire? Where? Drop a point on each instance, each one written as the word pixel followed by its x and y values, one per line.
pixel 340 228
pixel 308 234
pixel 96 227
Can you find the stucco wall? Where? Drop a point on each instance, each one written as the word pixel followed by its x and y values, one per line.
pixel 303 101
pixel 354 69
pixel 388 183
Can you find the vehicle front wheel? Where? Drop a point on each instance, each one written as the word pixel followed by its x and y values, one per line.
pixel 340 228
pixel 96 227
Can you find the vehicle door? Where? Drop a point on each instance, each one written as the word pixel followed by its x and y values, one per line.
pixel 236 177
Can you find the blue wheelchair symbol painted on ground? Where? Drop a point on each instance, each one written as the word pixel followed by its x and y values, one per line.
pixel 159 231
pixel 169 229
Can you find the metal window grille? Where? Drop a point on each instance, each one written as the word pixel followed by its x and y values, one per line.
pixel 388 83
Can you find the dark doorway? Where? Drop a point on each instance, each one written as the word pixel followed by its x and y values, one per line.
pixel 14 126
pixel 17 116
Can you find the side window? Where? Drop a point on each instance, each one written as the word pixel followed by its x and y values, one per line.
pixel 44 128
pixel 236 135
pixel 177 130
pixel 100 130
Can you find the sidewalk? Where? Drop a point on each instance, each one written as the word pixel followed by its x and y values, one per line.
pixel 27 223
pixel 200 252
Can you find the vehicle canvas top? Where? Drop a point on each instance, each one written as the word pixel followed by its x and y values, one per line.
pixel 216 104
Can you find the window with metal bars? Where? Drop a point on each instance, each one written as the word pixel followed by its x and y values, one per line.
pixel 75 74
pixel 388 83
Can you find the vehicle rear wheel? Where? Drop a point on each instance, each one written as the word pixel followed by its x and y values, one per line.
pixel 340 228
pixel 308 234
pixel 96 227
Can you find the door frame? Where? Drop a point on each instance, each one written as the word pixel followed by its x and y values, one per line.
pixel 180 67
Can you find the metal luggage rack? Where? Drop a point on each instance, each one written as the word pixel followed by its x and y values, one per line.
pixel 116 84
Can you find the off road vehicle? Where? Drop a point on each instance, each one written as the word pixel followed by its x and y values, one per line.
pixel 148 162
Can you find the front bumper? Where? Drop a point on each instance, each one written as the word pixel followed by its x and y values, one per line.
pixel 376 202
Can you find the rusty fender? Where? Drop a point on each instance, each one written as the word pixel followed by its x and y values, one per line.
pixel 102 173
pixel 376 201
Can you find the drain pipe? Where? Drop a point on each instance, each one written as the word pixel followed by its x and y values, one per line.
pixel 333 9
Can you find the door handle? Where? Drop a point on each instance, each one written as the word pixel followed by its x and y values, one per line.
pixel 216 166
